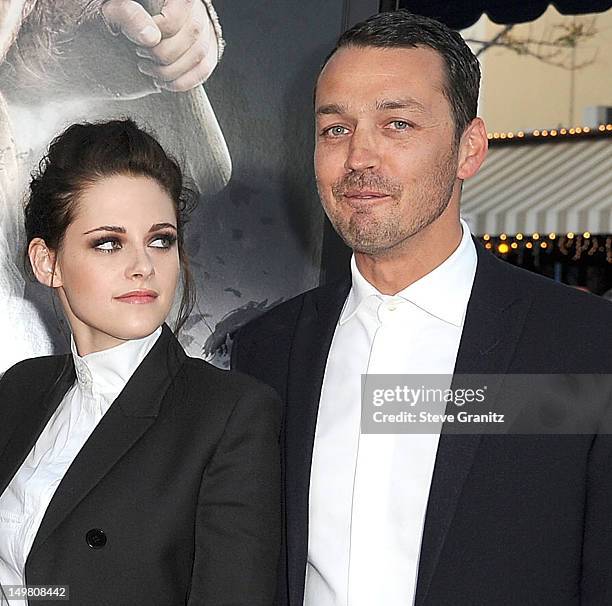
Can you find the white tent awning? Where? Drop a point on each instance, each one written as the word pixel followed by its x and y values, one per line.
pixel 557 186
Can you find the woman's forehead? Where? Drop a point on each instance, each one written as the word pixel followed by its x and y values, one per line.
pixel 125 198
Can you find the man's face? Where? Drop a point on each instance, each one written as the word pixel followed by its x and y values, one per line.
pixel 385 156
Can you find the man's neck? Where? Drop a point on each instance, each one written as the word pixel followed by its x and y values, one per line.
pixel 420 254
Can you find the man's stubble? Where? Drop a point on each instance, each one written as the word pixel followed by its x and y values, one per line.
pixel 408 212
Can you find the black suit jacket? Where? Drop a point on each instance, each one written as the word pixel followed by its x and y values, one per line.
pixel 510 520
pixel 181 474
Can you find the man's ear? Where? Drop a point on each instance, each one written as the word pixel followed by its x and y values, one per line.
pixel 472 149
pixel 44 263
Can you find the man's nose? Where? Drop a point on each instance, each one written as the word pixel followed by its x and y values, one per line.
pixel 140 264
pixel 363 153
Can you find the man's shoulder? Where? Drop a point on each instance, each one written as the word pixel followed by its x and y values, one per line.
pixel 559 316
pixel 556 299
pixel 279 318
pixel 283 317
pixel 266 342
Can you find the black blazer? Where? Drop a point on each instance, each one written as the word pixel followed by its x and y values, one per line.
pixel 181 475
pixel 510 520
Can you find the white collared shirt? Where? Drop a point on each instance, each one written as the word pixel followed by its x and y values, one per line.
pixel 368 492
pixel 100 378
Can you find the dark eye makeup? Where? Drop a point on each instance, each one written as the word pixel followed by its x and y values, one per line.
pixel 160 240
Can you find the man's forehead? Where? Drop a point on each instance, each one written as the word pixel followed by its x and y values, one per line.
pixel 384 73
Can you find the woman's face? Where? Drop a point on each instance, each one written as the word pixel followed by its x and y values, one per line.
pixel 118 266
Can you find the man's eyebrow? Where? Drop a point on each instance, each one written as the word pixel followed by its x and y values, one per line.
pixel 113 228
pixel 382 105
pixel 406 103
pixel 331 108
pixel 157 226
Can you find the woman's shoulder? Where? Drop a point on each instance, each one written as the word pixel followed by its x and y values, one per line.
pixel 203 375
pixel 32 369
pixel 212 395
pixel 29 379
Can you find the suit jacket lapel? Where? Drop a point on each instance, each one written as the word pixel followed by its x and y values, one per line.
pixel 313 335
pixel 130 415
pixel 493 323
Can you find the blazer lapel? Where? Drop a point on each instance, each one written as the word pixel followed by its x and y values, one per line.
pixel 313 335
pixel 129 416
pixel 493 323
pixel 33 417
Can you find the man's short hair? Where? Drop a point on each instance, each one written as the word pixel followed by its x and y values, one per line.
pixel 403 29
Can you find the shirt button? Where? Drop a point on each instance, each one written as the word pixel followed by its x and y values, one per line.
pixel 96 538
pixel 393 304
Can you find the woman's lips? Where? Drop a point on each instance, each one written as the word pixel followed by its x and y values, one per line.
pixel 138 297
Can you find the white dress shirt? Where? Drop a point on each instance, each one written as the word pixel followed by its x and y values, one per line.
pixel 368 492
pixel 100 377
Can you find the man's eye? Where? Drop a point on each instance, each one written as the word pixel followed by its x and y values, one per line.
pixel 400 125
pixel 335 131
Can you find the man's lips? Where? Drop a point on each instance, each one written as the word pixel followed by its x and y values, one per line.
pixel 364 194
pixel 364 199
pixel 138 296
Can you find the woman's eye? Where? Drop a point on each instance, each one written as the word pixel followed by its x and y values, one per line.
pixel 107 245
pixel 163 242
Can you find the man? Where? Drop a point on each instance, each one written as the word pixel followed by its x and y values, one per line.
pixel 433 519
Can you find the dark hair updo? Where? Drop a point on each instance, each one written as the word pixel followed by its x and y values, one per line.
pixel 83 155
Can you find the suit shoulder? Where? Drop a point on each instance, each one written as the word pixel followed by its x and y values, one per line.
pixel 262 348
pixel 565 320
pixel 27 380
pixel 32 370
pixel 559 300
pixel 279 317
pixel 205 400
pixel 283 317
pixel 203 376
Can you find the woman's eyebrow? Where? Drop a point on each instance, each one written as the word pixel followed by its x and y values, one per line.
pixel 157 226
pixel 115 228
pixel 121 230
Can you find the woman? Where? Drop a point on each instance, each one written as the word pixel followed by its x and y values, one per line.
pixel 61 51
pixel 129 472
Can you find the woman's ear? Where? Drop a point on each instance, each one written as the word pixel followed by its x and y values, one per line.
pixel 44 263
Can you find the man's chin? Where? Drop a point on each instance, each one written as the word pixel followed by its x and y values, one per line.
pixel 367 245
